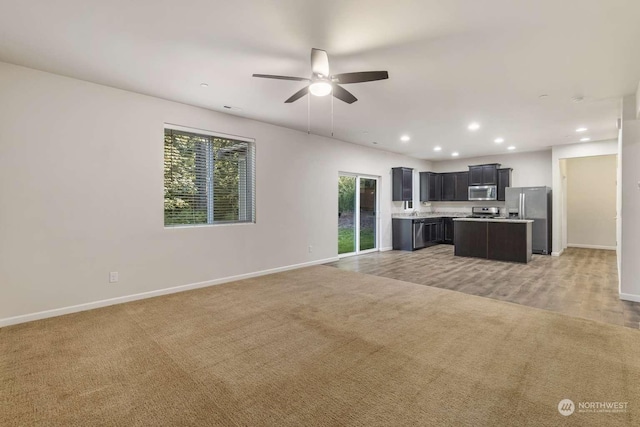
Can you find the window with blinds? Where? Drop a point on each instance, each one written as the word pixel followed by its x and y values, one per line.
pixel 208 179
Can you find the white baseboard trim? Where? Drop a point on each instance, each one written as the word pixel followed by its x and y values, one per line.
pixel 557 253
pixel 580 245
pixel 388 248
pixel 630 297
pixel 127 298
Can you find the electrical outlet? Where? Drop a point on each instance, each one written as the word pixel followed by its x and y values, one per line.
pixel 113 277
pixel 310 248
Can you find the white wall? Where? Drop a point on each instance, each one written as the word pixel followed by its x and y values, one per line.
pixel 630 216
pixel 570 151
pixel 591 202
pixel 81 181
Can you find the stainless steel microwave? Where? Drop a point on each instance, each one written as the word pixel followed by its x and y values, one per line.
pixel 483 192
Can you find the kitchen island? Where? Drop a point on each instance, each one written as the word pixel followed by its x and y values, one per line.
pixel 501 239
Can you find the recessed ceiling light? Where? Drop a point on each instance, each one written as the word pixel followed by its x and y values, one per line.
pixel 581 130
pixel 204 84
pixel 455 154
pixel 405 138
pixel 473 126
pixel 498 140
pixel 437 148
pixel 511 147
pixel 585 139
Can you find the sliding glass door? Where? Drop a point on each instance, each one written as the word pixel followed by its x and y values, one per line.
pixel 357 214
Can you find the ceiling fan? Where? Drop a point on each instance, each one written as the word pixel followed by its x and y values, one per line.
pixel 322 83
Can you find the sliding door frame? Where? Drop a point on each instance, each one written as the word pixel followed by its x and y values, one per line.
pixel 356 215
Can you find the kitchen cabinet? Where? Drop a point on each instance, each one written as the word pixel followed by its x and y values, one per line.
pixel 471 239
pixel 402 183
pixel 445 187
pixel 447 231
pixel 484 174
pixel 509 242
pixel 504 181
pixel 448 186
pixel 430 187
pixel 410 234
pixel 402 234
pixel 433 231
pixel 462 186
pixel 475 175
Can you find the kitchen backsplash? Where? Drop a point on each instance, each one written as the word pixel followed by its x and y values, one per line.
pixel 451 208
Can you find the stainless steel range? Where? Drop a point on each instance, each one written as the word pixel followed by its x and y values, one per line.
pixel 485 212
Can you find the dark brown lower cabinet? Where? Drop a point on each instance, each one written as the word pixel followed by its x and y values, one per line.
pixel 502 241
pixel 471 239
pixel 411 233
pixel 508 241
pixel 447 231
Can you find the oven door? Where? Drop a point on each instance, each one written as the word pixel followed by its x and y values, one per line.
pixel 483 192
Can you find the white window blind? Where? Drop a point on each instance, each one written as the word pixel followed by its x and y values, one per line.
pixel 207 179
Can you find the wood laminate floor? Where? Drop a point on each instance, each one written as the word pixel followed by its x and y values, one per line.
pixel 581 282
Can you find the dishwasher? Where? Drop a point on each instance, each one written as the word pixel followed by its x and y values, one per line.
pixel 418 234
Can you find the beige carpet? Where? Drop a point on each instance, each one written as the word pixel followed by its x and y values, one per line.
pixel 316 346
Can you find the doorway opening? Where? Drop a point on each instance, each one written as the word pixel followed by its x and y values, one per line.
pixel 589 191
pixel 358 219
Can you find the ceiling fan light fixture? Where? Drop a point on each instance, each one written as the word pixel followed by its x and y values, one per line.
pixel 320 88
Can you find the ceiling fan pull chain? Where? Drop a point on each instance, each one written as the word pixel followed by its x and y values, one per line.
pixel 309 115
pixel 332 117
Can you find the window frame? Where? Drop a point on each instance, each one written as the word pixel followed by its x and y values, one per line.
pixel 205 132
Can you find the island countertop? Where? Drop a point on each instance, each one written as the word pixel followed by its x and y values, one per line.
pixel 509 220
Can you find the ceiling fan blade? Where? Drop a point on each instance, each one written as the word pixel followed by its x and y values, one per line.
pixel 319 62
pixel 361 77
pixel 270 76
pixel 299 94
pixel 343 95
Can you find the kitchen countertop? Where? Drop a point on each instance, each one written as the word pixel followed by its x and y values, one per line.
pixel 423 215
pixel 515 220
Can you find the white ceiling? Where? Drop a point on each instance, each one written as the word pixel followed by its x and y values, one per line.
pixel 450 62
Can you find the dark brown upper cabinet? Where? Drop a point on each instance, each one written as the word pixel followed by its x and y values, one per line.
pixel 445 187
pixel 484 174
pixel 504 181
pixel 462 186
pixel 430 187
pixel 402 184
pixel 449 186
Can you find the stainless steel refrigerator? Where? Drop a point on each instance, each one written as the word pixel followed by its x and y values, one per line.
pixel 532 203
